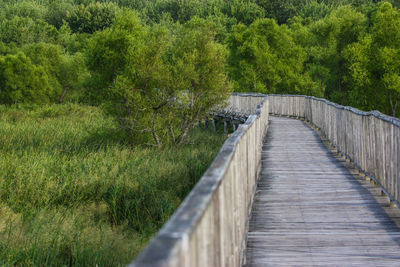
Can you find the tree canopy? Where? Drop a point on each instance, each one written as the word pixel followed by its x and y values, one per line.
pixel 158 82
pixel 161 65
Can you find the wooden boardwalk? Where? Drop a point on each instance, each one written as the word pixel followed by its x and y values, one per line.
pixel 310 209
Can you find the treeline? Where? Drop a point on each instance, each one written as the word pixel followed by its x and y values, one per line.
pixel 160 65
pixel 157 79
pixel 350 55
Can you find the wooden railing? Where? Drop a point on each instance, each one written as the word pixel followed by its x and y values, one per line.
pixel 370 140
pixel 209 228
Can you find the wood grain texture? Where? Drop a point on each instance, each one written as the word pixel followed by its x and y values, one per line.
pixel 370 140
pixel 312 207
pixel 311 210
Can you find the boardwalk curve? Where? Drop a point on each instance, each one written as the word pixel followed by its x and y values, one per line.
pixel 310 210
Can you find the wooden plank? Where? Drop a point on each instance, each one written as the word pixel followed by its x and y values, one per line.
pixel 310 210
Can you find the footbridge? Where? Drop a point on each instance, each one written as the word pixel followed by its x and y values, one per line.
pixel 302 182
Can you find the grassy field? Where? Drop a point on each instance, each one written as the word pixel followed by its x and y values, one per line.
pixel 74 192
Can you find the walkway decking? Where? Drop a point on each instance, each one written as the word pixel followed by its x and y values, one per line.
pixel 311 210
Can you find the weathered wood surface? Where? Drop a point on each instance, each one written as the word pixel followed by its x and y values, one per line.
pixel 313 216
pixel 209 227
pixel 311 210
pixel 370 139
pixel 243 103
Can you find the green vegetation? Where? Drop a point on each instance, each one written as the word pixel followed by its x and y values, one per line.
pixel 74 191
pixel 153 65
pixel 347 54
pixel 158 85
pixel 99 101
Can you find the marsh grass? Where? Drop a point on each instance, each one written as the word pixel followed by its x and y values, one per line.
pixel 74 191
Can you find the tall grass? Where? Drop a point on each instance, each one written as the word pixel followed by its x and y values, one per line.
pixel 73 191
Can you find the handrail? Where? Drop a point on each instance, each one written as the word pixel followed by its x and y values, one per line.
pixel 371 140
pixel 375 113
pixel 209 227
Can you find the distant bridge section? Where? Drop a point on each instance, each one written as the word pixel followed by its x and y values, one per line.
pixel 371 140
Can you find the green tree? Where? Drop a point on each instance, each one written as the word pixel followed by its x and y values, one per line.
pixel 58 12
pixel 179 10
pixel 199 71
pixel 265 58
pixel 281 10
pixel 109 52
pixel 330 37
pixel 243 11
pixel 27 9
pixel 23 30
pixel 142 92
pixel 48 57
pixel 315 10
pixel 128 74
pixel 374 63
pixel 72 74
pixel 22 82
pixel 92 17
pixel 157 82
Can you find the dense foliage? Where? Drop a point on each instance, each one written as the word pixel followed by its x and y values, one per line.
pixel 74 192
pixel 86 87
pixel 155 65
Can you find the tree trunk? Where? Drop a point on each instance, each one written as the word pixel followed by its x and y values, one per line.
pixel 62 96
pixel 393 103
pixel 171 130
pixel 127 108
pixel 185 131
pixel 155 136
